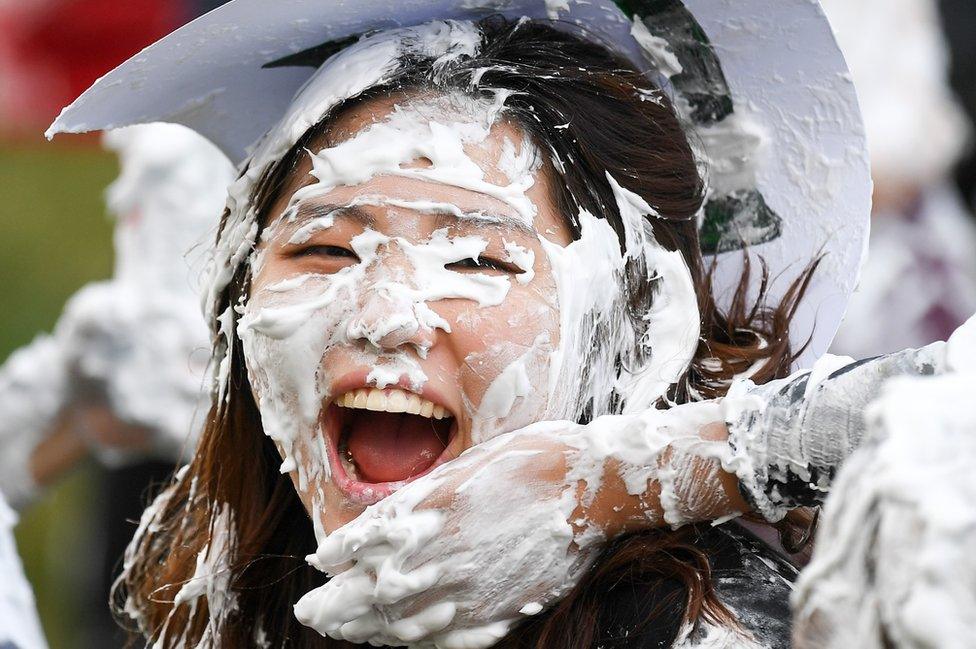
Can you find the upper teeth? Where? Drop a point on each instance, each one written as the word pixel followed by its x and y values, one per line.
pixel 391 400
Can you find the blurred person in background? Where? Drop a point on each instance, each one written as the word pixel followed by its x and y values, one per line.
pixel 122 375
pixel 920 277
pixel 118 376
pixel 50 51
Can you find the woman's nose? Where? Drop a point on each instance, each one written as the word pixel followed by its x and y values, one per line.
pixel 390 320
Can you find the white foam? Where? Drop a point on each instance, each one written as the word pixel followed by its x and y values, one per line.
pixel 893 565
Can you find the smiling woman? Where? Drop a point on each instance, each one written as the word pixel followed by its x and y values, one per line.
pixel 447 254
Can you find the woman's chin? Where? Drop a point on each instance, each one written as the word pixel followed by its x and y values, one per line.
pixel 345 514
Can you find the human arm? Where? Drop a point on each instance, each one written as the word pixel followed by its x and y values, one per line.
pixel 58 450
pixel 459 556
pixel 33 392
pixel 435 561
pixel 48 425
pixel 789 437
pixel 79 430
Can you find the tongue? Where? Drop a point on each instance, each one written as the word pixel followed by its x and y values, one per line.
pixel 388 447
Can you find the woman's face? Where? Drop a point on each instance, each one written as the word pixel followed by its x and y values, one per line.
pixel 402 309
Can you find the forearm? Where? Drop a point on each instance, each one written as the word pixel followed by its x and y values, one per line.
pixel 659 468
pixel 61 449
pixel 781 448
pixel 712 494
pixel 33 392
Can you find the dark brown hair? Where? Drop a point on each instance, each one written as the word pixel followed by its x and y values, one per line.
pixel 617 122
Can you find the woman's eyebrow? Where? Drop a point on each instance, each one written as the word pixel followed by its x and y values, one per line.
pixel 485 220
pixel 354 212
pixel 307 212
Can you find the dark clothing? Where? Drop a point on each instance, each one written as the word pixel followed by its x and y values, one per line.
pixel 754 581
pixel 959 26
pixel 751 579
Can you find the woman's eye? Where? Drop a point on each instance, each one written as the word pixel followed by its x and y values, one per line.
pixel 482 264
pixel 327 252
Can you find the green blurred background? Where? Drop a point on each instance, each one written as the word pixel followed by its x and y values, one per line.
pixel 55 236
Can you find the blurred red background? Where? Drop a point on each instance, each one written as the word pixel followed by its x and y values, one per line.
pixel 52 50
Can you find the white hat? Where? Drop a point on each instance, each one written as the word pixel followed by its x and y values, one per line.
pixel 762 82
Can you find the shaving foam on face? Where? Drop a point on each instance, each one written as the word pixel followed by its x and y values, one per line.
pixel 287 330
pixel 368 63
pixel 386 147
pixel 291 325
pixel 656 447
pixel 662 459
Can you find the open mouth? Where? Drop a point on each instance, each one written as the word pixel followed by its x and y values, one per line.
pixel 383 438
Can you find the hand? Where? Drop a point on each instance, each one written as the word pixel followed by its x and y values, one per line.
pixel 82 429
pixel 457 557
pixel 112 440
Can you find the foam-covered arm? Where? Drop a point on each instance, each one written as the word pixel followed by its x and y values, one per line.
pixel 33 390
pixel 661 467
pixel 459 556
pixel 790 436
